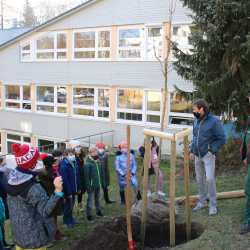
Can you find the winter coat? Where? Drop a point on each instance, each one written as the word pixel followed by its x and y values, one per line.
pixel 2 217
pixel 82 184
pixel 208 135
pixel 70 173
pixel 105 168
pixel 93 174
pixel 30 211
pixel 121 169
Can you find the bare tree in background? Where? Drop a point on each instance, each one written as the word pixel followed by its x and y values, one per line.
pixel 29 17
pixel 165 69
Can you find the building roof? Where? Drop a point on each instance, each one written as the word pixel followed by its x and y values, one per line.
pixel 9 34
pixel 49 22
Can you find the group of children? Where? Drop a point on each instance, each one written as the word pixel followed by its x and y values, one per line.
pixel 79 172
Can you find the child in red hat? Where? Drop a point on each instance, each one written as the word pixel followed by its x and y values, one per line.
pixel 30 207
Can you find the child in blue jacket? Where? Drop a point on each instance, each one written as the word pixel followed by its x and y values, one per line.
pixel 121 170
pixel 70 172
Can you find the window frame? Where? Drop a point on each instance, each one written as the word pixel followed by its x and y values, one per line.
pixel 31 51
pixel 55 104
pixel 141 48
pixel 55 50
pixel 55 141
pixel 96 49
pixel 22 135
pixel 95 107
pixel 21 101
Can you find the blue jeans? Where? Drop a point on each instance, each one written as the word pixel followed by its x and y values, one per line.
pixel 68 211
pixel 93 195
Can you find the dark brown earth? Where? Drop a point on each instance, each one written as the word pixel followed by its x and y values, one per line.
pixel 112 235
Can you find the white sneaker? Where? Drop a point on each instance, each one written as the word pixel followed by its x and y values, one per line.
pixel 213 211
pixel 149 194
pixel 199 206
pixel 160 193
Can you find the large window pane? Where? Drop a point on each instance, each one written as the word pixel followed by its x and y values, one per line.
pixel 85 54
pixel 14 137
pixel 129 37
pixel 84 112
pixel 45 94
pixel 45 108
pixel 104 54
pixel 61 95
pixel 85 40
pixel 45 55
pixel 61 41
pixel 83 96
pixel 153 118
pixel 181 102
pixel 26 93
pixel 154 43
pixel 130 99
pixel 103 39
pixel 153 101
pixel 46 42
pixel 103 97
pixel 129 53
pixel 12 92
pixel 46 146
pixel 129 116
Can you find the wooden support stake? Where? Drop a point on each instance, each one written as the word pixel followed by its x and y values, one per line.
pixel 128 191
pixel 187 188
pixel 147 159
pixel 172 193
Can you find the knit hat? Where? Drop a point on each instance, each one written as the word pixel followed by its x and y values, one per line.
pixel 26 156
pixel 100 145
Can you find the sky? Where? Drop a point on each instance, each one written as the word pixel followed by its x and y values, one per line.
pixel 13 8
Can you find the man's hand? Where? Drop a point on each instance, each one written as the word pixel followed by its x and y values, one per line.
pixel 58 184
pixel 191 157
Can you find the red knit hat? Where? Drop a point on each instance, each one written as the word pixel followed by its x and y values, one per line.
pixel 25 155
pixel 100 145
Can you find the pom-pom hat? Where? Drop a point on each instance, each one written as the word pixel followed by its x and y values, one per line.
pixel 100 145
pixel 26 156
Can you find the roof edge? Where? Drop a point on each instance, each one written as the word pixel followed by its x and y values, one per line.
pixel 49 22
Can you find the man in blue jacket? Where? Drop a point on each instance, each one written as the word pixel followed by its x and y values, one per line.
pixel 208 138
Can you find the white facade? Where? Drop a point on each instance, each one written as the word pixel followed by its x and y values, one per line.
pixel 92 70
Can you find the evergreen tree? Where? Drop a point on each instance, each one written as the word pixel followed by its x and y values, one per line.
pixel 219 63
pixel 29 17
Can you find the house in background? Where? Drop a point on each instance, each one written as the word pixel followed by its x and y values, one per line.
pixel 90 70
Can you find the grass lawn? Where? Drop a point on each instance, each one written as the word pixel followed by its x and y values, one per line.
pixel 221 231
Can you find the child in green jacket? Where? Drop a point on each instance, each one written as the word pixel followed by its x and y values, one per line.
pixel 245 154
pixel 94 181
pixel 2 219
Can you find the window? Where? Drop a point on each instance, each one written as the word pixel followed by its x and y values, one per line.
pixel 92 44
pixel 153 106
pixel 15 138
pixel 184 121
pixel 129 104
pixel 47 146
pixel 51 46
pixel 26 52
pixel 181 34
pixel 181 102
pixel 130 42
pixel 17 97
pixel 154 47
pixel 92 102
pixel 52 99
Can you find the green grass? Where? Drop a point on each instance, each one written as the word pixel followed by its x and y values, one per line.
pixel 221 231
